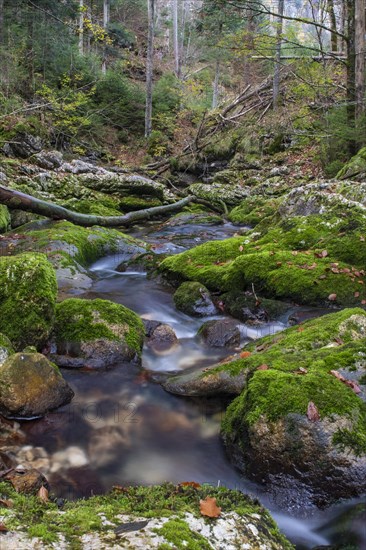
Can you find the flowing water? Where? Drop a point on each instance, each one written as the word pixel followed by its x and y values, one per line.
pixel 122 428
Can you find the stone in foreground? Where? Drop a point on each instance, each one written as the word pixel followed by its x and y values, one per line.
pixel 30 386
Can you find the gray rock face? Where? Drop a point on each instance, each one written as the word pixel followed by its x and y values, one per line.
pixel 6 348
pixel 24 146
pixel 108 182
pixel 31 386
pixel 49 160
pixel 217 193
pixel 296 448
pixel 223 333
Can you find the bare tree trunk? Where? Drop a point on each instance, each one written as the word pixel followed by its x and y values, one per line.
pixel 215 94
pixel 20 201
pixel 81 27
pixel 106 13
pixel 276 78
pixel 359 57
pixel 333 24
pixel 149 66
pixel 176 37
pixel 351 66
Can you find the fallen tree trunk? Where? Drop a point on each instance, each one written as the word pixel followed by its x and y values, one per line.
pixel 20 201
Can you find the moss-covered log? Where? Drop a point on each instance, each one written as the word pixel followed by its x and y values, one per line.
pixel 20 201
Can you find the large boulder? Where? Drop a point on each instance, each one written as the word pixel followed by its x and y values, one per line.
pixel 160 337
pixel 24 145
pixel 31 386
pixel 218 193
pixel 49 160
pixel 96 334
pixel 301 416
pixel 27 299
pixel 194 299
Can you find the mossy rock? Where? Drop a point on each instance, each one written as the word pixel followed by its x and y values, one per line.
pixel 4 219
pixel 354 168
pixel 96 333
pixel 253 210
pixel 251 309
pixel 162 516
pixel 31 386
pixel 194 299
pixel 6 348
pixel 28 292
pixel 217 193
pixel 286 373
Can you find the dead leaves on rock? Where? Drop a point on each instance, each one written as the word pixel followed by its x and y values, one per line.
pixel 350 383
pixel 209 508
pixel 43 494
pixel 312 413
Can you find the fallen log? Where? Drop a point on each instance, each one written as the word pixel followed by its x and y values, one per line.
pixel 17 200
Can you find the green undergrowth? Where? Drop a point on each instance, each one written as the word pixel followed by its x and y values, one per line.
pixel 80 320
pixel 44 520
pixel 298 363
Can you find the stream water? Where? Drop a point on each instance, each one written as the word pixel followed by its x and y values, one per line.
pixel 122 428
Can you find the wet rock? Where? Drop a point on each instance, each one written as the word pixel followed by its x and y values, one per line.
pixel 71 457
pixel 206 382
pixel 31 386
pixel 355 168
pixel 24 145
pixel 26 481
pixel 27 299
pixel 49 160
pixel 34 457
pixel 160 337
pixel 96 334
pixel 123 184
pixel 194 299
pixel 223 333
pixel 252 310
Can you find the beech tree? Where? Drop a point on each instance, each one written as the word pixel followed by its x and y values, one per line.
pixel 149 66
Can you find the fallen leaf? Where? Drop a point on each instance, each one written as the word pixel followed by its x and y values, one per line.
pixel 363 302
pixel 190 484
pixel 300 329
pixel 208 507
pixel 356 294
pixel 6 503
pixel 332 297
pixel 301 370
pixel 312 412
pixel 241 248
pixel 43 494
pixel 362 238
pixel 263 367
pixel 245 354
pixel 350 383
pixel 3 529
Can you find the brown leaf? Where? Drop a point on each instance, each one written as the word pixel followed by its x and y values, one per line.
pixel 245 354
pixel 332 297
pixel 363 302
pixel 324 254
pixel 208 507
pixel 241 248
pixel 321 277
pixel 362 239
pixel 43 494
pixel 3 529
pixel 263 367
pixel 356 294
pixel 312 412
pixel 300 329
pixel 301 370
pixel 190 484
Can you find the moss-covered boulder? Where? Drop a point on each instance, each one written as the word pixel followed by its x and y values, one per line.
pixel 301 414
pixel 4 219
pixel 157 517
pixel 30 386
pixel 355 168
pixel 96 334
pixel 27 299
pixel 6 348
pixel 194 299
pixel 219 193
pixel 220 333
pixel 253 210
pixel 252 310
pixel 71 249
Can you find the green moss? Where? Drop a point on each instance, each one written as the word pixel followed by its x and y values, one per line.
pixel 86 320
pixel 131 203
pixel 253 210
pixel 27 299
pixel 178 534
pixel 354 167
pixel 190 296
pixel 93 207
pixel 4 219
pixel 83 516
